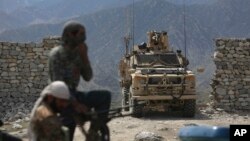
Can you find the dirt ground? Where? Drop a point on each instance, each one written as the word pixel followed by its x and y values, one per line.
pixel 165 125
pixel 125 129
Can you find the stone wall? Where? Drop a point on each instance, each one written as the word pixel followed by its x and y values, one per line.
pixel 23 74
pixel 231 82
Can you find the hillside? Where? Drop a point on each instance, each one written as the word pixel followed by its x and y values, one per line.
pixel 106 29
pixel 30 12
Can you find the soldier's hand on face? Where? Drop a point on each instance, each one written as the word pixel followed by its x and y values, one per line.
pixel 79 108
pixel 83 50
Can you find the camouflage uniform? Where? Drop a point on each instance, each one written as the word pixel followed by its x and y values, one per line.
pixel 66 65
pixel 70 61
pixel 45 125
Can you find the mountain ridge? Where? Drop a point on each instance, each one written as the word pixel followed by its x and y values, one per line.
pixel 106 28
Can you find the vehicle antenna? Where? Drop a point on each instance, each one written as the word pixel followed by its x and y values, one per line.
pixel 130 27
pixel 133 21
pixel 185 41
pixel 184 30
pixel 133 28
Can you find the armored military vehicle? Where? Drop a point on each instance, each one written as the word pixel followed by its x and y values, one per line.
pixel 153 74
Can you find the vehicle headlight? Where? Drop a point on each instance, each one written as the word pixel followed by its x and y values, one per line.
pixel 140 80
pixel 190 80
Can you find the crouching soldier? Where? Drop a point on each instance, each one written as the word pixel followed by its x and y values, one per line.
pixel 45 124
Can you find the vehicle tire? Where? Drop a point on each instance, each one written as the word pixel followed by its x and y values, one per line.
pixel 189 108
pixel 136 110
pixel 125 98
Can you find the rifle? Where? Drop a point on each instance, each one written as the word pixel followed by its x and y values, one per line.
pixel 98 130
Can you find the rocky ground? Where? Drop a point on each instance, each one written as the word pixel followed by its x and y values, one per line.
pixel 163 126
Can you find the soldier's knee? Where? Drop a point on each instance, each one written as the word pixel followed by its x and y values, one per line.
pixel 107 95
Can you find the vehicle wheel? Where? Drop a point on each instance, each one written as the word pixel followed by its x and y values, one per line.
pixel 136 110
pixel 189 108
pixel 125 98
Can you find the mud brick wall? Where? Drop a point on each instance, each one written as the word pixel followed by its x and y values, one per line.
pixel 231 81
pixel 23 74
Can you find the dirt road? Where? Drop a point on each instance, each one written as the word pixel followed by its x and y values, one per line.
pixel 125 128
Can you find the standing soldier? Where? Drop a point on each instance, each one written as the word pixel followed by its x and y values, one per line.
pixel 68 62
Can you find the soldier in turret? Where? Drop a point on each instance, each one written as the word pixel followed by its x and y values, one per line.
pixel 184 61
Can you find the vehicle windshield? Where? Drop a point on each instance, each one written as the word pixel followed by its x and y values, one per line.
pixel 165 60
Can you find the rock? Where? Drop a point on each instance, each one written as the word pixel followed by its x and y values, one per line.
pixel 219 109
pixel 221 91
pixel 191 124
pixel 247 79
pixel 26 119
pixel 3 129
pixel 147 136
pixel 231 92
pixel 209 111
pixel 218 55
pixel 16 126
pixel 18 121
pixel 163 129
pixel 131 126
pixel 245 117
